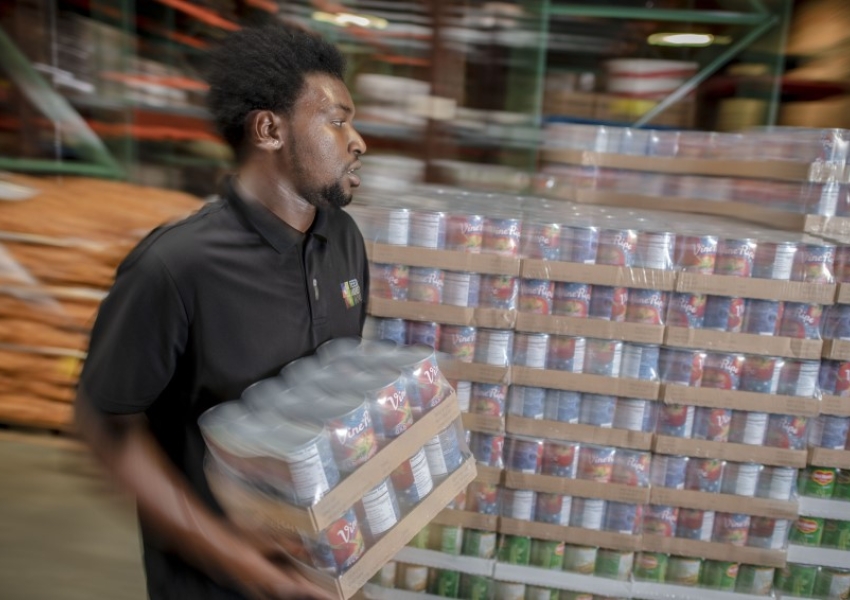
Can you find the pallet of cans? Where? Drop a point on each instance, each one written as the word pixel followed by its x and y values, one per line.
pixel 341 457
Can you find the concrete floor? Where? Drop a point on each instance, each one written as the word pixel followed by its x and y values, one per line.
pixel 65 533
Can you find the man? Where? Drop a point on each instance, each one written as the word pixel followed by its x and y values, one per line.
pixel 202 308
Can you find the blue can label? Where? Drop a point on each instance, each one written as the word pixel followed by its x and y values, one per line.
pixel 562 405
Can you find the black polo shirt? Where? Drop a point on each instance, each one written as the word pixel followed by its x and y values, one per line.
pixel 201 309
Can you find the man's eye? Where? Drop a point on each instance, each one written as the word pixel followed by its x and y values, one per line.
pixel 338 123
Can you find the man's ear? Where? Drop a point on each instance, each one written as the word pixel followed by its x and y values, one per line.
pixel 265 130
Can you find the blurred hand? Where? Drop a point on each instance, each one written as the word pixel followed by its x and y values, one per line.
pixel 262 579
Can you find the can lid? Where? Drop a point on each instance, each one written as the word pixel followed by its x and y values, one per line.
pixel 336 405
pixel 338 348
pixel 300 370
pixel 234 427
pixel 266 393
pixel 283 439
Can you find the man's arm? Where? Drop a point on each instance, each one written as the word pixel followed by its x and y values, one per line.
pixel 166 503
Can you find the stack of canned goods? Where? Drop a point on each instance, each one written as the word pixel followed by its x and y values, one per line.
pixel 808 581
pixel 836 318
pixel 824 482
pixel 689 571
pixel 296 436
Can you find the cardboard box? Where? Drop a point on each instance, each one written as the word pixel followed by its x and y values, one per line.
pixel 492 318
pixel 834 228
pixel 565 103
pixel 843 295
pixel 570 535
pixel 632 277
pixel 468 519
pixel 836 349
pixel 763 289
pixel 596 328
pixel 835 405
pixel 840 459
pixel 585 382
pixel 713 551
pixel 491 475
pixel 576 432
pixel 762 507
pixel 452 260
pixel 462 371
pixel 615 492
pixel 421 311
pixel 780 457
pixel 484 423
pixel 751 401
pixel 238 499
pixel 744 343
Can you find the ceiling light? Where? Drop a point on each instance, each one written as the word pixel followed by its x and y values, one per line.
pixel 696 40
pixel 346 19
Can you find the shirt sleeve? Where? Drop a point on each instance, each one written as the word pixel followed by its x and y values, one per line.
pixel 140 332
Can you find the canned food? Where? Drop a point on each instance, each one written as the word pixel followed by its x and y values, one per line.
pixel 412 480
pixel 413 578
pixel 681 367
pixel 724 314
pixel 842 485
pixel 735 257
pixel 683 570
pixel 740 479
pixel 807 531
pixel 580 559
pixel 547 554
pixel 553 509
pixel 502 236
pixel 524 454
pixel 499 292
pixel 832 584
pixel 476 587
pixel 836 322
pixel 646 306
pixel 814 263
pixel 390 226
pixel 704 475
pixel 608 303
pixel 508 590
pixel 614 564
pixel 587 513
pixel 829 431
pixel 603 357
pixel 461 289
pixel 675 420
pixel 631 467
pixel 536 296
pixel 428 229
pixel 730 528
pixel 640 361
pixel 566 353
pixel 655 250
pixel 660 520
pixel 748 427
pixel 597 409
pixel 770 534
pixel 651 566
pixel 817 482
pixel 712 424
pixel 443 453
pixel 617 247
pixel 488 399
pixel 353 439
pixel 450 539
pixel 579 244
pixel 621 517
pixel 528 402
pixel 459 342
pixel 834 378
pixel 774 260
pixel 668 471
pixel 799 378
pixel 801 321
pixel 686 310
pixel 572 299
pixel 634 414
pixel 786 431
pixel 493 347
pixel 534 592
pixel 753 579
pixel 424 332
pixel 761 374
pixel 518 504
pixel 464 232
pixel 696 253
pixel 480 544
pixel 444 582
pixel 426 386
pixel 719 575
pixel 388 281
pixel 515 549
pixel 378 510
pixel 836 534
pixel 339 547
pixel 762 317
pixel 541 240
pixel 776 483
pixel 426 285
pixel 562 405
pixel 386 576
pixel 797 580
pixel 463 391
pixel 530 350
pixel 560 459
pixel 695 524
pixel 596 463
pixel 394 330
pixel 722 371
pixel 487 448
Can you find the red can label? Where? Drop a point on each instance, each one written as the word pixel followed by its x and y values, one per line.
pixel 596 464
pixel 646 306
pixel 536 296
pixel 572 299
pixel 722 371
pixel 464 232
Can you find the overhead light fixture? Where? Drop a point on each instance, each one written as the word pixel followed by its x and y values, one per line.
pixel 693 40
pixel 346 19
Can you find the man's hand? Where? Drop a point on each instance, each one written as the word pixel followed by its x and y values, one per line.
pixel 260 578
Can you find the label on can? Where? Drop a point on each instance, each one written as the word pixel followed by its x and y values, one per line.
pixel 428 229
pixel 730 528
pixel 774 260
pixel 740 479
pixel 464 232
pixel 536 296
pixel 518 504
pixel 530 350
pixel 426 285
pixel 461 289
pixel 634 414
pixel 724 314
pixel 614 564
pixel 814 263
pixel 735 257
pixel 412 479
pixel 832 583
pixel 414 578
pixel 459 342
pixel 660 520
pixel 683 570
pixel 621 517
pixel 616 247
pixel 686 310
pixel 380 508
pixel 541 240
pixel 668 471
pixel 498 291
pixel 719 575
pixel 762 317
pixel 423 332
pixel 515 549
pixel 696 254
pixel 761 374
pixel 646 306
pixel 608 303
pixel 655 250
pixel 580 559
pixel 681 367
pixel 603 357
pixel 524 455
pixel 493 347
pixel 562 405
pixel 389 281
pixel 797 580
pixel 631 467
pixel 640 362
pixel 786 431
pixel 768 533
pixel 572 299
pixel 676 420
pixel 695 524
pixel 502 236
pixel 529 402
pixel 651 566
pixel 340 545
pixel 722 371
pixel 587 513
pixel 712 424
pixel 547 554
pixel 353 438
pixel 756 580
pixel 566 353
pixel 488 399
pixel 596 463
pixel 579 244
pixel 836 534
pixel 553 509
pixel 704 474
pixel 481 544
pixel 560 459
pixel 776 483
pixel 597 409
pixel 486 448
pixel 801 321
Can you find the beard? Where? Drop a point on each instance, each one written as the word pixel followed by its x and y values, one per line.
pixel 329 196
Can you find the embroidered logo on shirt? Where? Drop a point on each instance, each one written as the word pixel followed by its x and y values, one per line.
pixel 351 293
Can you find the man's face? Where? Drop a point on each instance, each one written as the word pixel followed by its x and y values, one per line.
pixel 324 147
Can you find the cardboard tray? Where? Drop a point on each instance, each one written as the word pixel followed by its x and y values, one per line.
pixel 761 289
pixel 843 295
pixel 386 548
pixel 835 405
pixel 760 507
pixel 713 551
pixel 745 343
pixel 836 229
pixel 493 318
pixel 836 349
pixel 765 455
pixel 750 401
pixel 595 328
pixel 318 517
pixel 467 519
pixel 631 277
pixel 479 372
pixel 574 432
pixel 421 311
pixel 615 492
pixel 492 475
pixel 484 423
pixel 840 459
pixel 570 535
pixel 451 260
pixel 585 382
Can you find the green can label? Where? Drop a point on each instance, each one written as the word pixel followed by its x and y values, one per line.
pixel 580 559
pixel 451 540
pixel 445 583
pixel 508 590
pixel 475 587
pixel 615 564
pixel 797 580
pixel 547 554
pixel 719 575
pixel 420 540
pixel 842 485
pixel 755 580
pixel 807 531
pixel 836 534
pixel 534 592
pixel 651 566
pixel 481 544
pixel 819 482
pixel 515 549
pixel 833 584
pixel 682 570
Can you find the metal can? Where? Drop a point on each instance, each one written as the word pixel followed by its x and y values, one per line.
pixel 443 453
pixel 686 310
pixel 704 475
pixel 829 431
pixel 735 257
pixel 560 459
pixel 722 371
pixel 386 576
pixel 536 296
pixel 836 322
pixel 817 482
pixel 614 564
pixel 748 427
pixel 524 455
pixel 608 303
pixel 459 342
pixel 587 513
pixel 499 292
pixel 617 247
pixel 640 361
pixel 807 531
pixel 646 306
pixel 426 386
pixel 547 554
pixel 597 409
pixel 394 330
pixel 635 414
pixel 480 544
pixel 353 439
pixel 841 267
pixel 483 498
pixel 463 391
pixel 696 253
pixel 761 374
pixel 390 226
pixel 518 504
pixel 444 582
pixel 724 314
pixel 695 524
pixel 762 317
pixel 731 528
pixel 801 321
pixel 461 289
pixel 493 347
pixel 424 332
pixel 378 510
pixel 776 483
pixel 502 236
pixel 553 509
pixel 464 232
pixel 603 357
pixel 413 578
pixel 572 299
pixel 534 592
pixel 596 463
pixel 426 285
pixel 676 420
pixel 836 534
pixel 660 520
pixel 668 471
pixel 428 229
pixel 651 566
pixel 786 431
pixel 389 281
pixel 774 260
pixel 683 570
pixel 753 579
pixel 681 367
pixel 488 399
pixel 562 405
pixel 487 448
pixel 476 587
pixel 622 517
pixel 842 485
pixel 580 559
pixel 719 575
pixel 814 263
pixel 515 549
pixel 832 584
pixel 339 547
pixel 797 580
pixel 412 480
pixel 530 350
pixel 528 402
pixel 579 244
pixel 541 240
pixel 655 250
pixel 767 533
pixel 566 353
pixel 799 378
pixel 509 590
pixel 740 479
pixel 712 424
pixel 631 467
pixel 834 378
